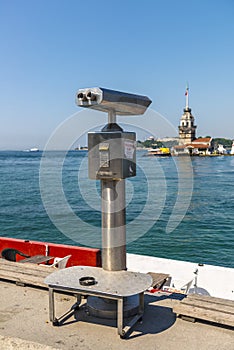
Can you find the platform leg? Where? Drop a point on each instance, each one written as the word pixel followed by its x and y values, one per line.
pixel 120 317
pixel 51 307
pixel 78 302
pixel 141 303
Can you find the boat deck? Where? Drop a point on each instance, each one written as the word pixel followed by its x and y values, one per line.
pixel 24 324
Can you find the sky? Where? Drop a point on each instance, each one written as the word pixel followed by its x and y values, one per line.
pixel 51 48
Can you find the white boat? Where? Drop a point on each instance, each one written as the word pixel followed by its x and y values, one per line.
pixel 232 150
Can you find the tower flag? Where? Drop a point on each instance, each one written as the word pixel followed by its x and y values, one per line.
pixel 187 96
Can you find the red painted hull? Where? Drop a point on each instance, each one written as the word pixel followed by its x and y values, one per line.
pixel 79 255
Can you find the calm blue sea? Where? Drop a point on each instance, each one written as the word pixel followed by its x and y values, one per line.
pixel 205 234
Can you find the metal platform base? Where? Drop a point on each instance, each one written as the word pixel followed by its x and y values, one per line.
pixel 107 308
pixel 110 289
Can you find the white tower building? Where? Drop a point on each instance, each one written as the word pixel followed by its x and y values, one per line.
pixel 187 129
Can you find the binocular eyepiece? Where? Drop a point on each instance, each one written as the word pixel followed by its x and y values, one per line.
pixel 106 100
pixel 87 96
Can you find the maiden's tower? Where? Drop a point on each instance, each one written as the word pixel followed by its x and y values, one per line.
pixel 188 143
pixel 187 129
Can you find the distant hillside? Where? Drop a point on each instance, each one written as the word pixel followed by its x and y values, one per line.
pixel 227 143
pixel 156 144
pixel 151 143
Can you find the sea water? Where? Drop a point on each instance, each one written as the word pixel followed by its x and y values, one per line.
pixel 201 230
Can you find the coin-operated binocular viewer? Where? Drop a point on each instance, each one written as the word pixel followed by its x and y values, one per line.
pixel 112 291
pixel 112 159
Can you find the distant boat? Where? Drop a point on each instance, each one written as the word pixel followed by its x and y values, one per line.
pixel 81 148
pixel 159 152
pixel 31 150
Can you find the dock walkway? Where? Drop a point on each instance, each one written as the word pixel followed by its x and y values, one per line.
pixel 203 307
pixel 24 274
pixel 24 322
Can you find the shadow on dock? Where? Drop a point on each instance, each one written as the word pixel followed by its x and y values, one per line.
pixel 156 318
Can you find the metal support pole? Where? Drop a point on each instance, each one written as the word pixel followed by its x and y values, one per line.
pixel 111 117
pixel 113 225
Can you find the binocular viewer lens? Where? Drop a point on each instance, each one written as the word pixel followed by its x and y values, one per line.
pixel 88 96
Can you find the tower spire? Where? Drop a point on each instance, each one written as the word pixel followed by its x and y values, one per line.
pixel 187 97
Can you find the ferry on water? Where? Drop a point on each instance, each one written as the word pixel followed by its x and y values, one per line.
pixel 159 152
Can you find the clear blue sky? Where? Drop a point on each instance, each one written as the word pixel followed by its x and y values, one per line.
pixel 50 48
